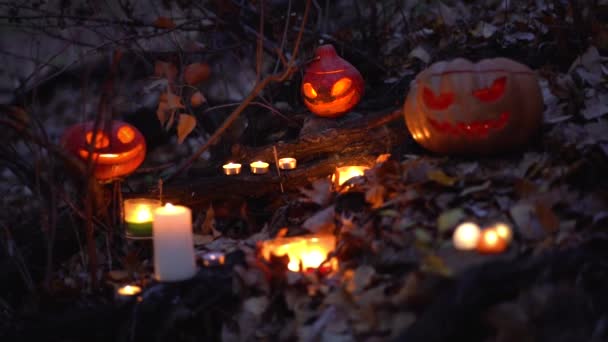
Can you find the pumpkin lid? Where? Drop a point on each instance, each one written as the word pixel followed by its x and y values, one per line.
pixel 327 61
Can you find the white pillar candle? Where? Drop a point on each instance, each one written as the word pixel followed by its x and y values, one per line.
pixel 466 236
pixel 287 163
pixel 173 243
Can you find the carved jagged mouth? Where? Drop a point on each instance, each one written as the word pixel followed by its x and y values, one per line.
pixel 337 105
pixel 475 129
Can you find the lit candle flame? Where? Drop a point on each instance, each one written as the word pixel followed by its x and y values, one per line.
pixel 129 290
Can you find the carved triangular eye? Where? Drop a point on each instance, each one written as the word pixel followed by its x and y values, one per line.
pixel 437 102
pixel 341 86
pixel 493 92
pixel 309 91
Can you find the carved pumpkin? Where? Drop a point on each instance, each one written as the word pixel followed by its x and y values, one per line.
pixel 460 107
pixel 331 86
pixel 117 151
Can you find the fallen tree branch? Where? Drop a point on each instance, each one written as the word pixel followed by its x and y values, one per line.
pixel 357 136
pixel 358 142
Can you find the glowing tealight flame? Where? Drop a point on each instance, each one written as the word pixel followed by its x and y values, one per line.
pixel 491 237
pixel 306 252
pixel 139 210
pixel 143 214
pixel 504 231
pixel 345 173
pixel 129 290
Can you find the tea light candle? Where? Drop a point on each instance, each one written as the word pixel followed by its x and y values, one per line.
pixel 259 167
pixel 504 231
pixel 213 259
pixel 466 236
pixel 287 163
pixel 138 216
pixel 491 243
pixel 173 243
pixel 232 168
pixel 129 290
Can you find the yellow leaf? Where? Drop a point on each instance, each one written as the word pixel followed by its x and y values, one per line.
pixel 196 73
pixel 440 177
pixel 434 264
pixel 164 23
pixel 185 125
pixel 449 219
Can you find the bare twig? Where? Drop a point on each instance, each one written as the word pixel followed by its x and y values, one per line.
pixel 252 95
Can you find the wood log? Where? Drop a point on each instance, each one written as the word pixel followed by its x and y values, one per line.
pixel 357 142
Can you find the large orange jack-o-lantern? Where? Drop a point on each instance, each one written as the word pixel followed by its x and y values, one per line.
pixel 117 150
pixel 331 86
pixel 460 107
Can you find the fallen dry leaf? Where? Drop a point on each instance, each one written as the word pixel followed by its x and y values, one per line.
pixel 440 177
pixel 166 70
pixel 197 99
pixel 164 23
pixel 196 73
pixel 449 219
pixel 185 125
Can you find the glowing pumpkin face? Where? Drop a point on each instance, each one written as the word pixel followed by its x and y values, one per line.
pixel 117 151
pixel 331 85
pixel 459 107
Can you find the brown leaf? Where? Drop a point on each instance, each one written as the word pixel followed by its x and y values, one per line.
pixel 547 217
pixel 162 112
pixel 196 73
pixel 197 99
pixel 164 23
pixel 375 196
pixel 185 125
pixel 118 275
pixel 174 101
pixel 166 70
pixel 200 240
pixel 527 221
pixel 209 222
pixel 524 188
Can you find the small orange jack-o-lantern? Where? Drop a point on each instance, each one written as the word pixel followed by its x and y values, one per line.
pixel 117 150
pixel 460 107
pixel 331 85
